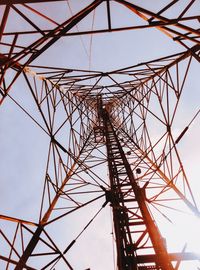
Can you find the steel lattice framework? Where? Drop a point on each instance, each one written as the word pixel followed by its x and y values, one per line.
pixel 120 121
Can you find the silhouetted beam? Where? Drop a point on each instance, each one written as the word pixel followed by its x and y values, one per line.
pixel 4 59
pixel 151 258
pixel 10 2
pixel 13 262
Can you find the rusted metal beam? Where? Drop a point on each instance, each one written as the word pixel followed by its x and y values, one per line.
pixel 48 40
pixel 142 12
pixel 11 2
pixel 15 262
pixel 186 256
pixel 15 65
pixel 17 220
pixel 4 20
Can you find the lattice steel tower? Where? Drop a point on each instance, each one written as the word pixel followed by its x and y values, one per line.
pixel 112 136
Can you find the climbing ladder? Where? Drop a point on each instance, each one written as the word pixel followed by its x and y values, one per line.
pixel 135 231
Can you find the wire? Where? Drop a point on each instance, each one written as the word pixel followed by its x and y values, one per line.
pixel 195 116
pixel 87 225
pixel 91 41
pixel 27 113
pixel 113 238
pixel 186 128
pixel 81 39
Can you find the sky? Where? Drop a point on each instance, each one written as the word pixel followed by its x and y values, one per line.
pixel 24 146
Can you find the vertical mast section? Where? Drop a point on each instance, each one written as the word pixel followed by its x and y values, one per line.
pixel 122 183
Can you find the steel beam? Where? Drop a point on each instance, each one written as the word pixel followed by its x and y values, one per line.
pixel 11 2
pixel 186 256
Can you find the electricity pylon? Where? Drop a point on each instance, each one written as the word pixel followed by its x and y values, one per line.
pixel 120 121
